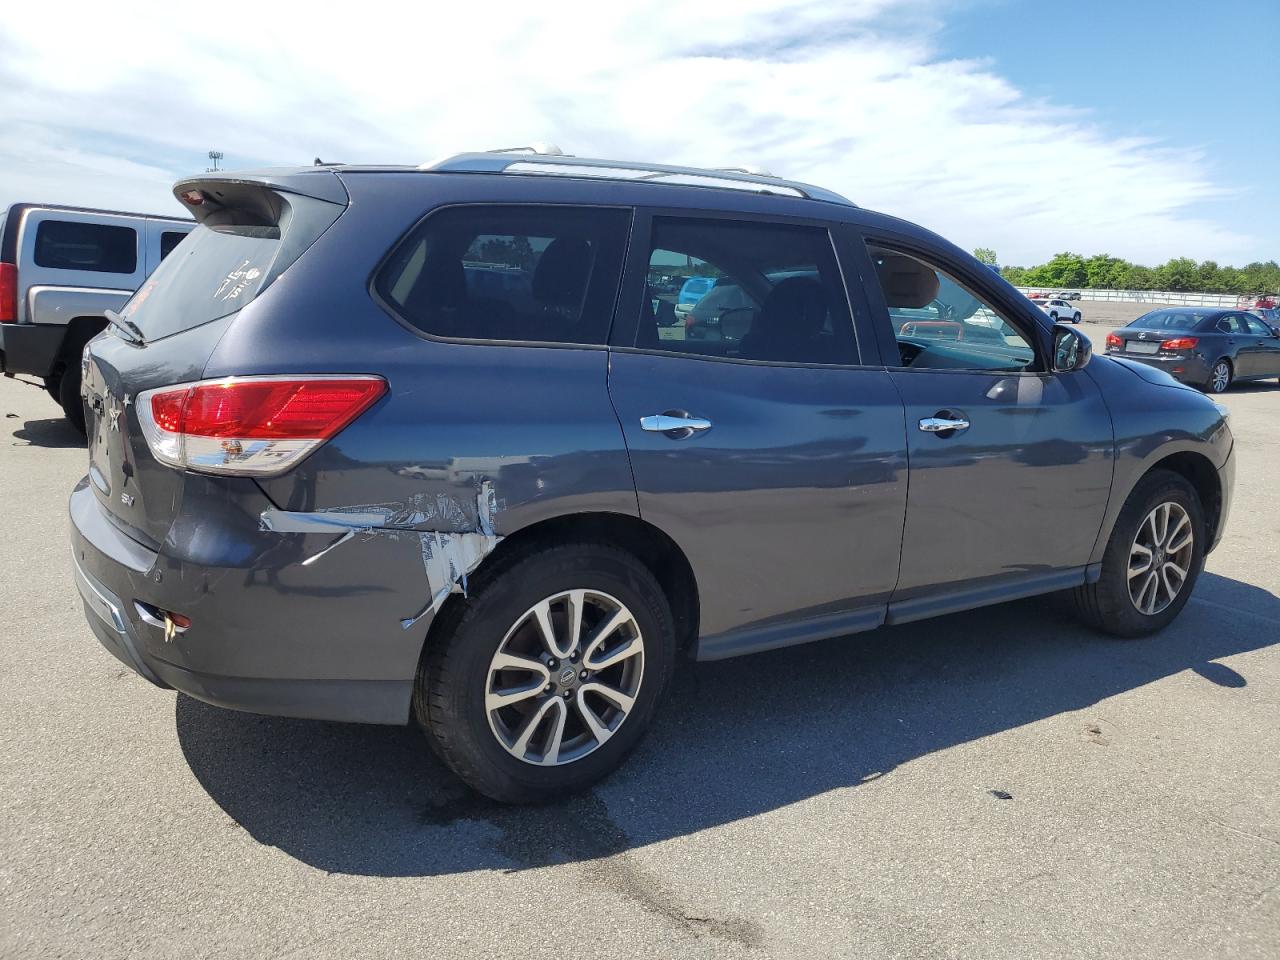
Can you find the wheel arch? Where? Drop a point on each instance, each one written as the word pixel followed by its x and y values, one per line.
pixel 80 330
pixel 650 545
pixel 1198 470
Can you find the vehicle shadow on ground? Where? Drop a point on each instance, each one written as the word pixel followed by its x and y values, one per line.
pixel 55 433
pixel 737 738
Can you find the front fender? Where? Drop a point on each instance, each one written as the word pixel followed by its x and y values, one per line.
pixel 1153 421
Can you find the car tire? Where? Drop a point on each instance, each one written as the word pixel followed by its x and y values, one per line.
pixel 69 397
pixel 53 387
pixel 1109 604
pixel 1220 376
pixel 1053 317
pixel 460 678
pixel 1076 318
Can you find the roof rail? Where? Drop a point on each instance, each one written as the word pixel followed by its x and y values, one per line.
pixel 516 160
pixel 539 147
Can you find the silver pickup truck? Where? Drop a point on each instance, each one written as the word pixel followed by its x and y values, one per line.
pixel 61 269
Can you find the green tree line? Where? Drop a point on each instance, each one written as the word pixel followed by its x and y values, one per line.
pixel 1105 272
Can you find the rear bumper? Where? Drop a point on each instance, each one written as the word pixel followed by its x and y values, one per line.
pixel 1193 369
pixel 31 348
pixel 276 663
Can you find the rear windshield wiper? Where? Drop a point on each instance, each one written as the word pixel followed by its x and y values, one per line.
pixel 131 330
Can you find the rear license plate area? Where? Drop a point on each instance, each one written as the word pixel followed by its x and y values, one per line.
pixel 1137 346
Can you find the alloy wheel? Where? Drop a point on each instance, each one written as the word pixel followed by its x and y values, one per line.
pixel 1160 558
pixel 565 677
pixel 1221 376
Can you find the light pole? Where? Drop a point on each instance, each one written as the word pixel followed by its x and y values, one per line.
pixel 214 157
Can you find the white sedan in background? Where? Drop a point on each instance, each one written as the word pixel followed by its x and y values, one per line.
pixel 1058 309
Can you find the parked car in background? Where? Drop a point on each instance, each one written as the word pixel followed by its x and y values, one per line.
pixel 1206 347
pixel 1072 295
pixel 330 476
pixel 61 270
pixel 1269 315
pixel 691 291
pixel 1058 309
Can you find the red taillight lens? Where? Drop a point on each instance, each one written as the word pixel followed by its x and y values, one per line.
pixel 251 425
pixel 1114 341
pixel 1180 343
pixel 166 410
pixel 275 409
pixel 8 293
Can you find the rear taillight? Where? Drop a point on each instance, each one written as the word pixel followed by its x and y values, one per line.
pixel 1180 343
pixel 1114 341
pixel 251 426
pixel 8 293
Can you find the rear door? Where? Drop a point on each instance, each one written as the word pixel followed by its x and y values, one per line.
pixel 1010 463
pixel 1237 344
pixel 247 237
pixel 764 448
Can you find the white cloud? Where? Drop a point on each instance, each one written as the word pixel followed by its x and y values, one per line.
pixel 100 106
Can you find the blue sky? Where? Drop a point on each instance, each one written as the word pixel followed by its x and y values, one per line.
pixel 1147 130
pixel 1194 74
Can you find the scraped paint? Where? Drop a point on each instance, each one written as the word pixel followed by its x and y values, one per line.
pixel 448 556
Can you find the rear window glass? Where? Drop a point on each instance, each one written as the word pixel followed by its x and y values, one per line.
pixel 217 272
pixel 97 247
pixel 536 274
pixel 234 253
pixel 170 239
pixel 1170 320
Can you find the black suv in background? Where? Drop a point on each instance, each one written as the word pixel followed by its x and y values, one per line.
pixel 387 444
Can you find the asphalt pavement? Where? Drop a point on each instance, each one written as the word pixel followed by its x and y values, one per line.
pixel 998 784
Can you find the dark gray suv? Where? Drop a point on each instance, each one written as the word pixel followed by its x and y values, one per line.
pixel 389 444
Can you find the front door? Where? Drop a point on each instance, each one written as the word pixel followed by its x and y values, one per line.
pixel 1010 463
pixel 758 442
pixel 1263 348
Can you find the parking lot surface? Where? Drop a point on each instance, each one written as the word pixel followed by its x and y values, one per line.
pixel 1002 783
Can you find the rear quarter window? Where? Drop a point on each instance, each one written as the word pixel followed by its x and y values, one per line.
pixel 544 274
pixel 95 247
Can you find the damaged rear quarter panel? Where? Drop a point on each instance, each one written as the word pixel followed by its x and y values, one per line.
pixel 533 423
pixel 528 429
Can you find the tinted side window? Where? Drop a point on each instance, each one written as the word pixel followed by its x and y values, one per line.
pixel 168 240
pixel 1257 327
pixel 748 291
pixel 1232 323
pixel 940 322
pixel 543 274
pixel 67 245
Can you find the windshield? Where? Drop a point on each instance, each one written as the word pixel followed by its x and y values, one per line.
pixel 1170 320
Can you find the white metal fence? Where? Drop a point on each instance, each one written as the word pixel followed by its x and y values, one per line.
pixel 1157 296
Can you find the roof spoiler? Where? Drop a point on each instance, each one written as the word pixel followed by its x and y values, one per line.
pixel 255 195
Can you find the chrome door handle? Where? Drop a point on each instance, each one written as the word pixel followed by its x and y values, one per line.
pixel 674 423
pixel 943 424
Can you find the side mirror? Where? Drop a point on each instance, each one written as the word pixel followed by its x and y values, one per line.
pixel 1071 349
